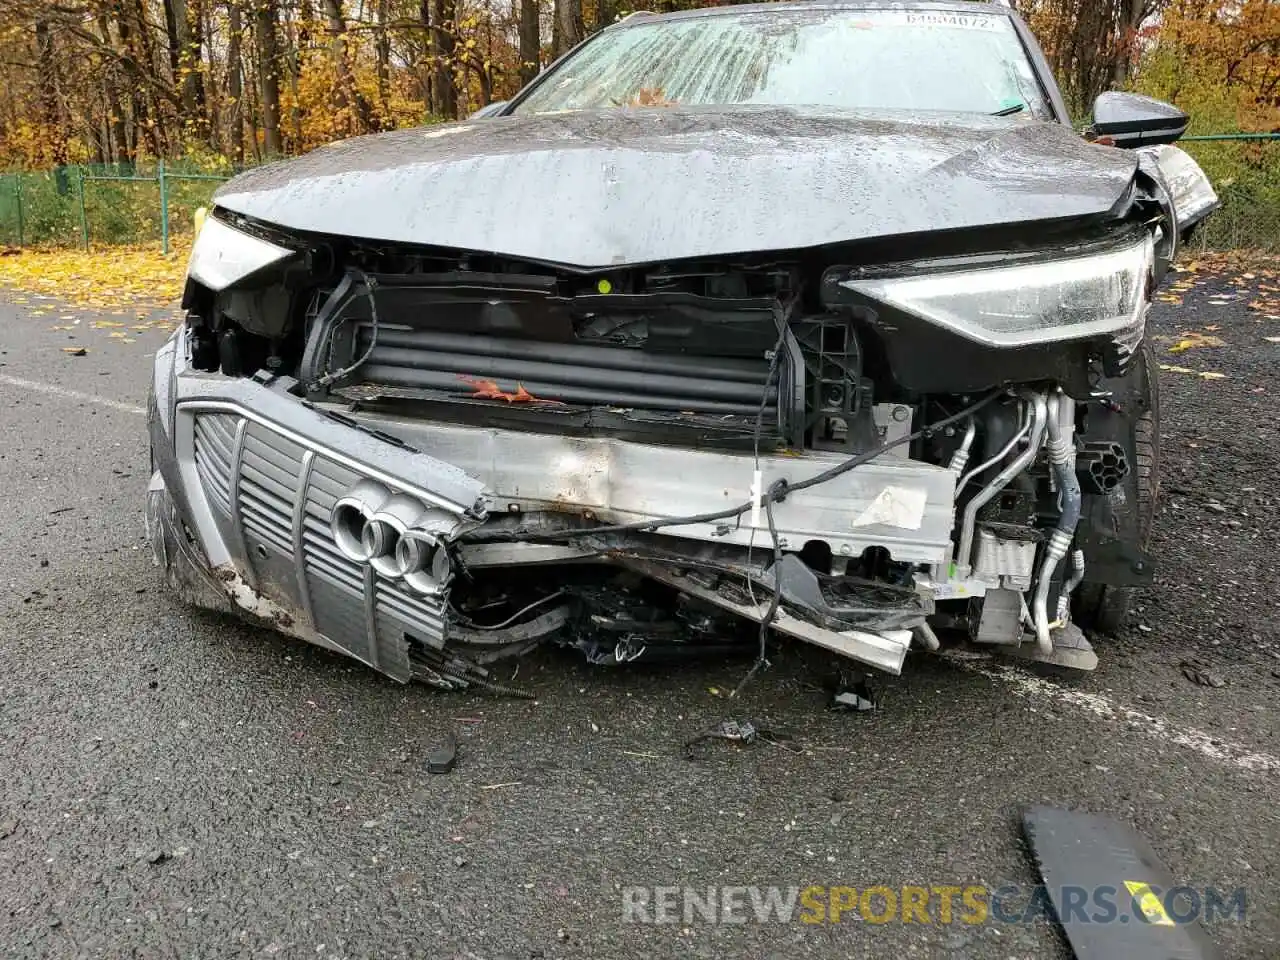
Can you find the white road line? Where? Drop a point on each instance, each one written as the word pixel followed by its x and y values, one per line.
pixel 56 391
pixel 1031 687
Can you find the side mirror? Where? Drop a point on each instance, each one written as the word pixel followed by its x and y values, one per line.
pixel 488 110
pixel 1132 120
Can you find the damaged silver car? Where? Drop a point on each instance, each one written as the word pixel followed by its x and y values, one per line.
pixel 802 320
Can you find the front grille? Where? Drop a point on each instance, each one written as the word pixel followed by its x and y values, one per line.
pixel 273 498
pixel 215 440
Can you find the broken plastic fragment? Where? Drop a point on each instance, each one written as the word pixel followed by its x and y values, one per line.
pixel 855 697
pixel 443 755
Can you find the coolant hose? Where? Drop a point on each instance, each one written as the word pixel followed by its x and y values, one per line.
pixel 1060 448
pixel 1038 417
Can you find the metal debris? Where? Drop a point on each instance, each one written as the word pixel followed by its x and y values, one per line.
pixel 735 731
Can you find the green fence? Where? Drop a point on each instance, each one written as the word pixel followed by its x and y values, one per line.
pixel 1245 170
pixel 152 203
pixel 103 204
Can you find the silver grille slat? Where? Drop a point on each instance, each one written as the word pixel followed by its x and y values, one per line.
pixel 213 456
pixel 277 496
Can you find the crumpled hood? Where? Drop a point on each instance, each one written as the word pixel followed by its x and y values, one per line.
pixel 636 186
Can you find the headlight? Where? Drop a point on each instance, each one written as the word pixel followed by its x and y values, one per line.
pixel 1192 194
pixel 1030 303
pixel 222 255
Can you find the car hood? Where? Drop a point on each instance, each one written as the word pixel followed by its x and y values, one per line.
pixel 599 189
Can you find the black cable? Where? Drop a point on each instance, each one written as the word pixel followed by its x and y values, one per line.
pixel 776 493
pixel 783 319
pixel 369 284
pixel 761 661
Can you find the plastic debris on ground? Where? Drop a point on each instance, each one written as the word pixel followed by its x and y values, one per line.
pixel 443 755
pixel 854 695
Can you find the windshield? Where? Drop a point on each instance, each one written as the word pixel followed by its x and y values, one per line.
pixel 852 59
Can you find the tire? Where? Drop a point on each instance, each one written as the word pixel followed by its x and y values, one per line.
pixel 1099 606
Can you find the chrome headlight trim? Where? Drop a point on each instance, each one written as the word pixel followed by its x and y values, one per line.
pixel 1190 190
pixel 1072 298
pixel 223 256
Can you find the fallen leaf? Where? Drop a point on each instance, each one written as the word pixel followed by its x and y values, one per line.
pixel 1194 341
pixel 120 278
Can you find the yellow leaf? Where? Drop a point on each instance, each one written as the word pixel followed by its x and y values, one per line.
pixel 1193 341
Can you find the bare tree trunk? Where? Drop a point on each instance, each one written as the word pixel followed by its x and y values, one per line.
pixel 383 50
pixel 173 36
pixel 443 44
pixel 1135 12
pixel 530 41
pixel 301 42
pixel 290 61
pixel 186 44
pixel 265 15
pixel 606 13
pixel 235 82
pixel 117 142
pixel 50 112
pixel 429 69
pixel 194 63
pixel 569 29
pixel 146 108
pixel 346 97
pixel 338 54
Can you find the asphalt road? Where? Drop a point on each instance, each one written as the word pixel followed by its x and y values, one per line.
pixel 282 792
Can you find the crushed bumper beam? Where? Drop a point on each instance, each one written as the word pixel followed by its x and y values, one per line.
pixel 247 477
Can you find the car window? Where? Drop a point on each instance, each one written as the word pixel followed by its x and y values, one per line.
pixel 855 59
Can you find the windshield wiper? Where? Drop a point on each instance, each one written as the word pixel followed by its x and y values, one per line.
pixel 1009 111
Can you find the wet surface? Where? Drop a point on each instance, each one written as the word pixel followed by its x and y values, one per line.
pixel 178 784
pixel 714 182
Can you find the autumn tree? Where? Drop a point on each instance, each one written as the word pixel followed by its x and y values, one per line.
pixel 243 80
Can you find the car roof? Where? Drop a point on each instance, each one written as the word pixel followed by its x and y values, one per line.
pixel 945 6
